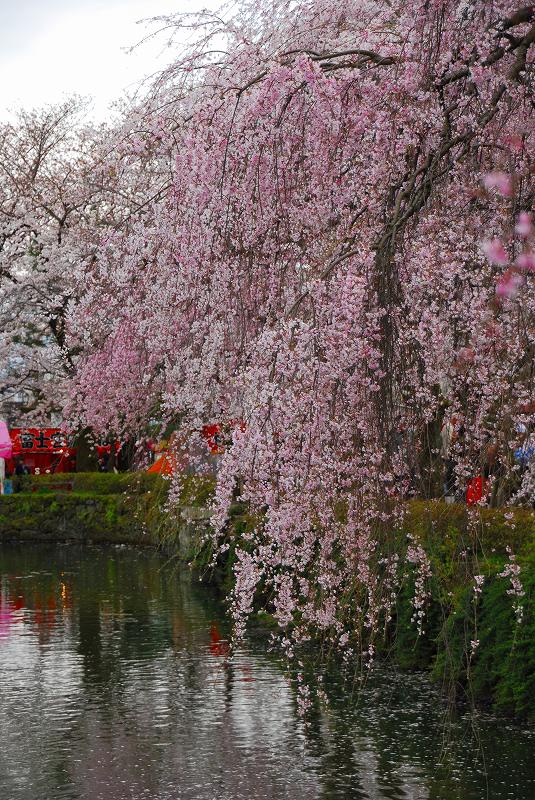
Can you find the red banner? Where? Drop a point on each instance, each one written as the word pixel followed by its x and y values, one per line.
pixel 41 450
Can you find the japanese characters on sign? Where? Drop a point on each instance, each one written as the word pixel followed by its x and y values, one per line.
pixel 39 439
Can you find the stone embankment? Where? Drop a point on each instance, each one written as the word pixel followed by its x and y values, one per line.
pixel 106 508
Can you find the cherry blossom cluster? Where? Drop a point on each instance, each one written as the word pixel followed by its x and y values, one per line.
pixel 512 571
pixel 328 236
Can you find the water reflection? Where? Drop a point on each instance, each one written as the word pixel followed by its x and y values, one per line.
pixel 116 681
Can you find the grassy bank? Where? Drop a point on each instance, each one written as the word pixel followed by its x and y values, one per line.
pixel 472 641
pixel 87 507
pixel 479 644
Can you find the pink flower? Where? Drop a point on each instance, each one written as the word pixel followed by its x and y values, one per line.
pixel 524 225
pixel 500 181
pixel 466 354
pixel 495 252
pixel 516 143
pixel 509 284
pixel 526 261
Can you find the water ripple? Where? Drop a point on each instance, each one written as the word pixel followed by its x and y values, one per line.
pixel 117 683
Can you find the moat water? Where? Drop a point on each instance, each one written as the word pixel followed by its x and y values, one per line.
pixel 117 683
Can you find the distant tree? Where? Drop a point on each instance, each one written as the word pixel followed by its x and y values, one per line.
pixel 62 190
pixel 46 213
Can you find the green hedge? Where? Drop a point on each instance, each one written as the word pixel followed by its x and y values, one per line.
pixel 95 482
pixel 452 527
pixel 196 491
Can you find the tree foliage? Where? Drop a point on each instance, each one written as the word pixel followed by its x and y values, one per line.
pixel 331 240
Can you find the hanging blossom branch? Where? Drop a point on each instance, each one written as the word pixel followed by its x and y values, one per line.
pixel 316 271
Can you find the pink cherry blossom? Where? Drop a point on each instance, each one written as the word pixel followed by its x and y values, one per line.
pixel 300 249
pixel 526 261
pixel 466 355
pixel 495 252
pixel 524 224
pixel 509 284
pixel 286 231
pixel 500 181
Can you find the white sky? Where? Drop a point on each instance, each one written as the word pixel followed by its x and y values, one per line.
pixel 52 48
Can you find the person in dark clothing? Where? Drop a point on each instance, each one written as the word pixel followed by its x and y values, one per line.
pixel 18 474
